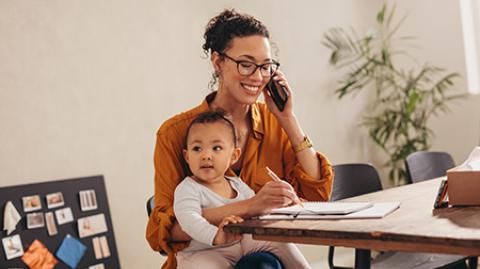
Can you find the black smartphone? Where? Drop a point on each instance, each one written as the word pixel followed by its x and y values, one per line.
pixel 278 93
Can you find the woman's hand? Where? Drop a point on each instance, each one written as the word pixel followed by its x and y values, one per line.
pixel 223 237
pixel 288 110
pixel 287 119
pixel 272 195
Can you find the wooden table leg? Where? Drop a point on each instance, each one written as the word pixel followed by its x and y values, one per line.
pixel 362 258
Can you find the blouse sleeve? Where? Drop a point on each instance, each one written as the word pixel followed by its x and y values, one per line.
pixel 168 173
pixel 306 186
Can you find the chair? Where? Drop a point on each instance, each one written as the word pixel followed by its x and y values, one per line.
pixel 423 165
pixel 150 205
pixel 356 179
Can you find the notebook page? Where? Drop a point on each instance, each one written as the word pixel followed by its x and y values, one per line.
pixel 321 208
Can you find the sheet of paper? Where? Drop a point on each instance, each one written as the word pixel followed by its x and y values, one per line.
pixel 64 215
pixel 472 163
pixel 71 251
pixel 38 257
pixel 378 210
pixel 104 246
pixel 92 225
pixel 51 227
pixel 12 246
pixel 323 208
pixel 11 217
pixel 96 248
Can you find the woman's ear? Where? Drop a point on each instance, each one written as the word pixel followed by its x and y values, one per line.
pixel 216 61
pixel 235 155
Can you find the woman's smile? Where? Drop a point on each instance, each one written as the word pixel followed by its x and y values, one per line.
pixel 251 89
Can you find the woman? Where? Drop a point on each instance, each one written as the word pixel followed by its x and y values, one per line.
pixel 240 53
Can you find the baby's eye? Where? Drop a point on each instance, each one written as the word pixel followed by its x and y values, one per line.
pixel 197 148
pixel 217 148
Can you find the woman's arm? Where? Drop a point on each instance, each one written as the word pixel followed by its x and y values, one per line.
pixel 272 195
pixel 177 234
pixel 287 119
pixel 162 229
pixel 306 157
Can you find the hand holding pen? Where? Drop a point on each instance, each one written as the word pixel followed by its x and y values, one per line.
pixel 274 177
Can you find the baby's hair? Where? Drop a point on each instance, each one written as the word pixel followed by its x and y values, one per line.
pixel 211 117
pixel 221 29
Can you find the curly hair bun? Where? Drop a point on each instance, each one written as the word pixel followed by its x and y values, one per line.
pixel 221 29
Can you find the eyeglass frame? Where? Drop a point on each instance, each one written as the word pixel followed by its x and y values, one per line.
pixel 257 66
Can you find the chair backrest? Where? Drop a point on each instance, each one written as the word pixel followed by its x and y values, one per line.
pixel 150 205
pixel 354 179
pixel 423 165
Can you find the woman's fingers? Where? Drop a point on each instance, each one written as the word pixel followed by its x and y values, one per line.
pixel 288 109
pixel 273 194
pixel 282 188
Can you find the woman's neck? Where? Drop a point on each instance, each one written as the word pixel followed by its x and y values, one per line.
pixel 238 112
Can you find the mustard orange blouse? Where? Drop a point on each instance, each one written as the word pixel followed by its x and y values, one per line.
pixel 267 145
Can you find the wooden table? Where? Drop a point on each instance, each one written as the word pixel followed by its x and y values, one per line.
pixel 414 227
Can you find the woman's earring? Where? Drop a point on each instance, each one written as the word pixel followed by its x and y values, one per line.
pixel 213 80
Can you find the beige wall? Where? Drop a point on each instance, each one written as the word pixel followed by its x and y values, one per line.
pixel 84 85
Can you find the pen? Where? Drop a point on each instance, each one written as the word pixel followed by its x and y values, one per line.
pixel 277 179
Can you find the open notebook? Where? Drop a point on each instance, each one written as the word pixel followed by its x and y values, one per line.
pixel 323 208
pixel 376 211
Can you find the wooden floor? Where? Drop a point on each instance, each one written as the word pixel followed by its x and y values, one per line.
pixel 317 256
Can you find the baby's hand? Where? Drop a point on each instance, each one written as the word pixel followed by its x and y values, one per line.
pixel 223 237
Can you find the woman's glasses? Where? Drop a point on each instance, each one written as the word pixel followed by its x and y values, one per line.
pixel 247 68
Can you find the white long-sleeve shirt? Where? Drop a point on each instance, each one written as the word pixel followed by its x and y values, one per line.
pixel 189 200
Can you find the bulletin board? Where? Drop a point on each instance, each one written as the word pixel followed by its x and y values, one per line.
pixel 70 188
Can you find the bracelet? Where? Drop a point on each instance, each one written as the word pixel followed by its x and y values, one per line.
pixel 306 143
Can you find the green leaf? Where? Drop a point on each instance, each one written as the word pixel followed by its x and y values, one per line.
pixel 405 98
pixel 381 14
pixel 412 102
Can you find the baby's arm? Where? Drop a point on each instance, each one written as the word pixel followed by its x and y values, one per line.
pixel 223 237
pixel 188 211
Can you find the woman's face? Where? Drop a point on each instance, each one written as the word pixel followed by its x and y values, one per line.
pixel 243 89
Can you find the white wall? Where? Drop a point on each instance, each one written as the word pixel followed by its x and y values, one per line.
pixel 84 85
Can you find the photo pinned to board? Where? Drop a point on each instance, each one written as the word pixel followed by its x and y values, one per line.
pixel 51 227
pixel 100 247
pixel 31 203
pixel 35 220
pixel 12 245
pixel 64 215
pixel 55 200
pixel 88 200
pixel 92 225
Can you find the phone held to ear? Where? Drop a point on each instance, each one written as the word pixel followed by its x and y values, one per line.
pixel 278 93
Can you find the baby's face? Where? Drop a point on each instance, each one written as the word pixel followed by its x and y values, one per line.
pixel 210 151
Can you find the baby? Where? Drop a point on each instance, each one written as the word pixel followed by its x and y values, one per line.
pixel 210 150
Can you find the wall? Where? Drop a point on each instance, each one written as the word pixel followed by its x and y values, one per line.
pixel 84 85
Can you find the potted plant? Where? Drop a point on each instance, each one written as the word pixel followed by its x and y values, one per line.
pixel 406 98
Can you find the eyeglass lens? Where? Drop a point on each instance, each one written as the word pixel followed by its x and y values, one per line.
pixel 247 68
